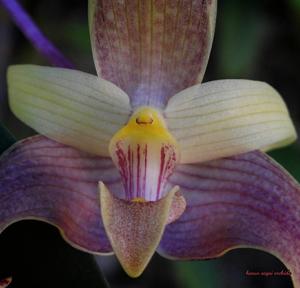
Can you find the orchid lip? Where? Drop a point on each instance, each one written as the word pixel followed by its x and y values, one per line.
pixel 135 227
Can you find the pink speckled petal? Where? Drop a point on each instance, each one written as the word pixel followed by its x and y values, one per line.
pixel 152 49
pixel 134 227
pixel 177 208
pixel 44 180
pixel 242 201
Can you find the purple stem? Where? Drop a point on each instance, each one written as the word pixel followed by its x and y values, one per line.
pixel 32 32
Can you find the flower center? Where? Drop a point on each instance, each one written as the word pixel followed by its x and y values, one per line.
pixel 144 118
pixel 145 153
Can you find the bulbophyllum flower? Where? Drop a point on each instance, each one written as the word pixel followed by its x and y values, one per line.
pixel 181 164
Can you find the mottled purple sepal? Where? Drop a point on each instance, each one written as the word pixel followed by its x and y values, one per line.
pixel 152 49
pixel 44 180
pixel 242 201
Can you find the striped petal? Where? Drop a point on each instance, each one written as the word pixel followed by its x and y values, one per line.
pixel 228 117
pixel 71 107
pixel 242 201
pixel 152 49
pixel 44 180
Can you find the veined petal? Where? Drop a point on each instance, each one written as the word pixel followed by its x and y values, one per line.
pixel 242 201
pixel 71 107
pixel 43 180
pixel 152 49
pixel 228 117
pixel 134 227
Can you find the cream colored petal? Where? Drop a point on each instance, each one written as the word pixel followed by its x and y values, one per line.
pixel 71 107
pixel 227 117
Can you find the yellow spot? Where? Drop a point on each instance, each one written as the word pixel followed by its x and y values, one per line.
pixel 145 118
pixel 146 125
pixel 138 200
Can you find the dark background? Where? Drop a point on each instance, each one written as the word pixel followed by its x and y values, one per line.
pixel 255 39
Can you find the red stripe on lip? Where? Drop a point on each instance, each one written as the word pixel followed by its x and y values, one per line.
pixel 142 178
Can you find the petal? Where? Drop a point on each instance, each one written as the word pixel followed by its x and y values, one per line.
pixel 242 201
pixel 134 227
pixel 69 106
pixel 228 117
pixel 44 180
pixel 177 208
pixel 152 49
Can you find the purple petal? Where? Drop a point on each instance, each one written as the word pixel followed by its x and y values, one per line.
pixel 152 49
pixel 44 180
pixel 242 201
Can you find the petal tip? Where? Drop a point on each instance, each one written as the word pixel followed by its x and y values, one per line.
pixel 134 228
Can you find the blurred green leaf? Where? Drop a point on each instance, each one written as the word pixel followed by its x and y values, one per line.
pixel 196 274
pixel 77 35
pixel 295 4
pixel 240 32
pixel 289 158
pixel 6 139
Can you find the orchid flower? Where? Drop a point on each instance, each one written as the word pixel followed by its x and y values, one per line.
pixel 180 165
